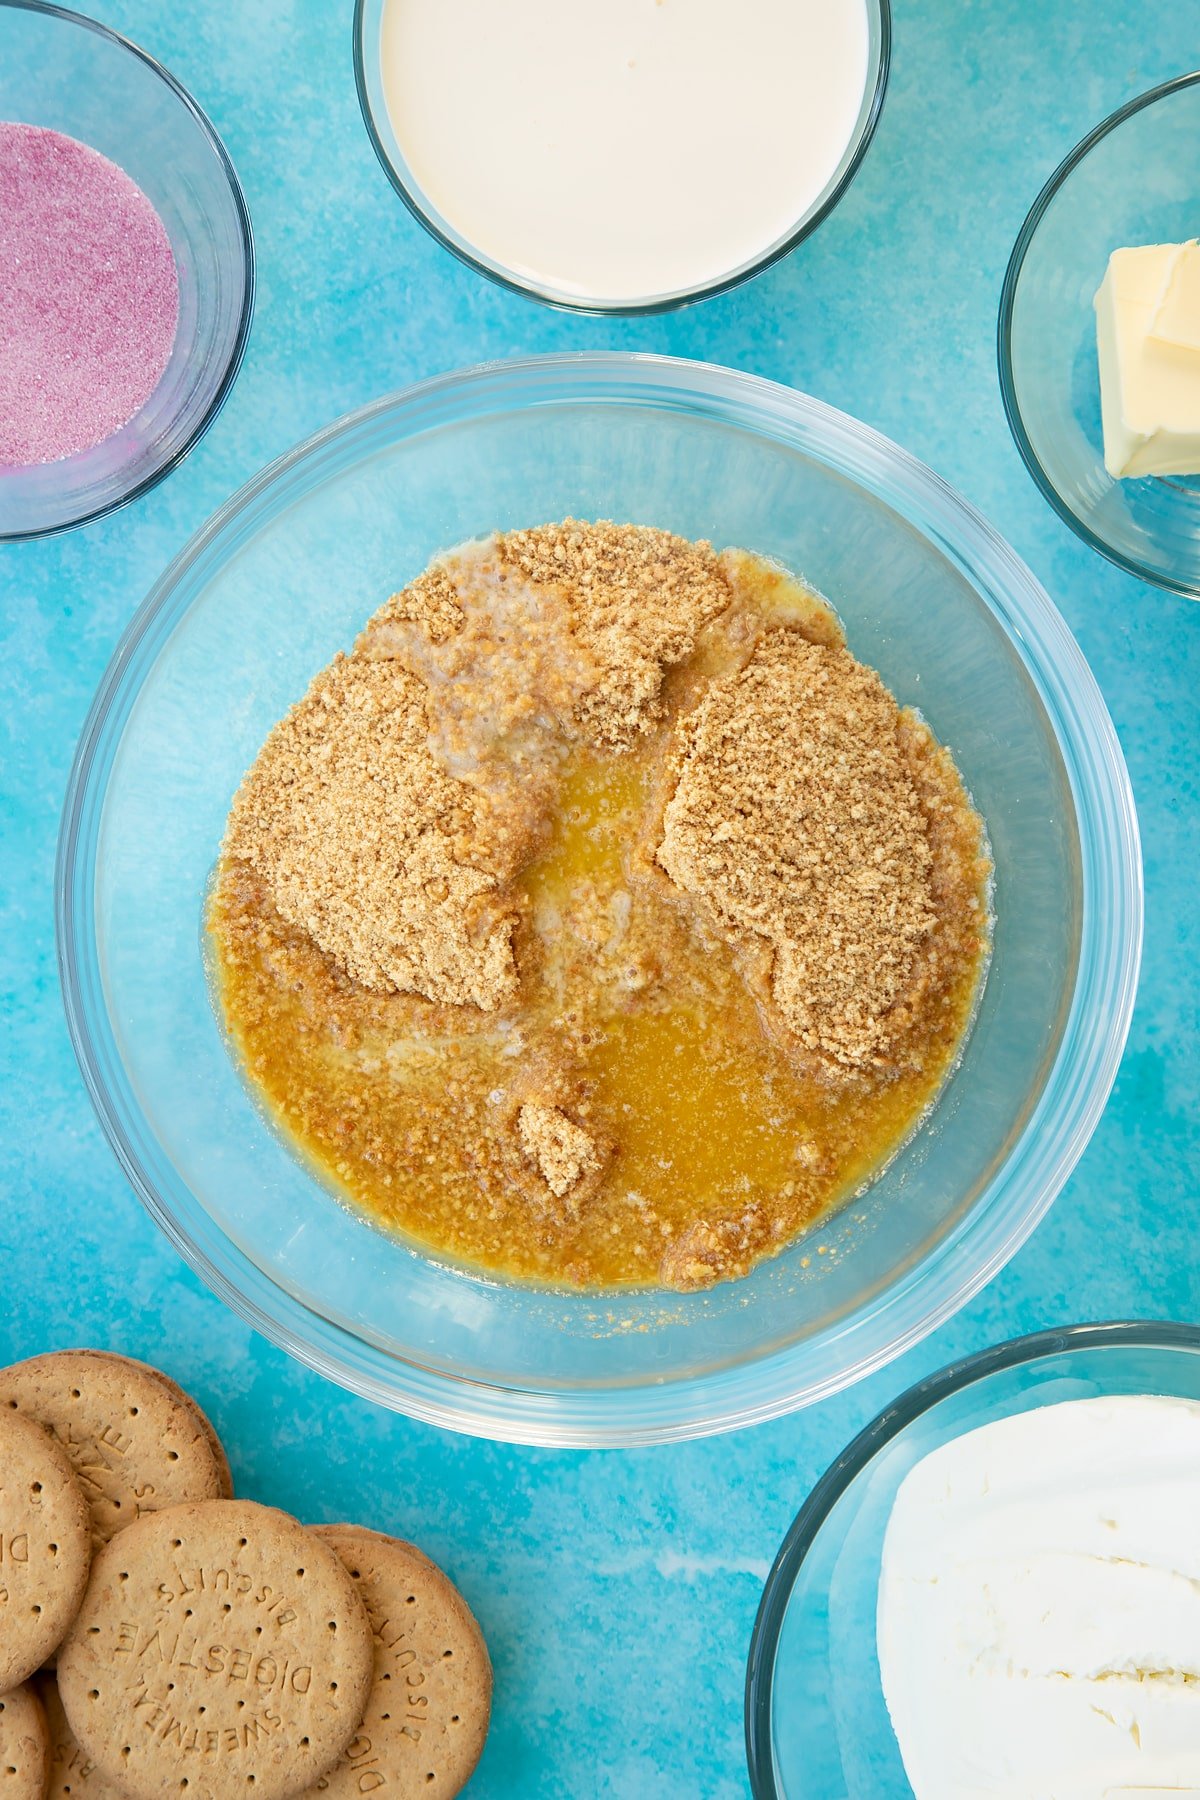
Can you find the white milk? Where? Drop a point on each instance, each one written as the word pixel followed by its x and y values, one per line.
pixel 616 150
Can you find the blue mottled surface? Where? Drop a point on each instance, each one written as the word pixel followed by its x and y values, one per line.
pixel 617 1591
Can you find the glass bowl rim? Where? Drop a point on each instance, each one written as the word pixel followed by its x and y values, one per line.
pixel 884 1428
pixel 1051 1140
pixel 1008 295
pixel 724 284
pixel 234 362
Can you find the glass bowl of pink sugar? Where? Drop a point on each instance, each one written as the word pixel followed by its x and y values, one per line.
pixel 126 270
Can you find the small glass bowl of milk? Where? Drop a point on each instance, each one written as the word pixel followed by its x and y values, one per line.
pixel 621 156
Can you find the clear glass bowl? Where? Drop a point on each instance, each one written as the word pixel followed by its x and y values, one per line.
pixel 65 72
pixel 283 576
pixel 817 1725
pixel 368 75
pixel 1134 180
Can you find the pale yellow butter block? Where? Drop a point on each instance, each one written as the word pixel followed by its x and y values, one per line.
pixel 1178 320
pixel 1148 339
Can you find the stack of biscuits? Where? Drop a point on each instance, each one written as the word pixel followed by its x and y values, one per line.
pixel 160 1638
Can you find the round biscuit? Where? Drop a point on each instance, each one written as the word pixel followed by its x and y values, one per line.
pixel 135 1445
pixel 73 1774
pixel 24 1745
pixel 222 1652
pixel 193 1407
pixel 45 1547
pixel 427 1717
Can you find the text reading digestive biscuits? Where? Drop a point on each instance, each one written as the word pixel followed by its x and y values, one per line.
pixel 177 1650
pixel 218 1580
pixel 600 919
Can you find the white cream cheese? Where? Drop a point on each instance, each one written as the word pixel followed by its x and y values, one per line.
pixel 1039 1607
pixel 1148 340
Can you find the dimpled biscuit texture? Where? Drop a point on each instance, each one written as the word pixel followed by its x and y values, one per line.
pixel 222 1652
pixel 45 1546
pixel 135 1445
pixel 73 1774
pixel 201 1418
pixel 428 1713
pixel 24 1746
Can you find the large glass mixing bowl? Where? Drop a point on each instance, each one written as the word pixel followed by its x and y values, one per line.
pixel 283 576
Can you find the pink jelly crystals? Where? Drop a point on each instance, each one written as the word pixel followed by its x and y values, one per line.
pixel 89 296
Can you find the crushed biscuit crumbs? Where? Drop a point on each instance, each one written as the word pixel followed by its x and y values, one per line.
pixel 635 599
pixel 366 842
pixel 796 822
pixel 562 1150
pixel 599 920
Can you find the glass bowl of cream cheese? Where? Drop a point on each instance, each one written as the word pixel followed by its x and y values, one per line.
pixel 996 1587
pixel 1132 184
pixel 621 156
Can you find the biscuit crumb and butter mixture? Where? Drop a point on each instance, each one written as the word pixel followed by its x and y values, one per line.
pixel 599 919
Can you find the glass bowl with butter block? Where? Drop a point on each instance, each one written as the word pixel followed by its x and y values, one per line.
pixel 1131 185
pixel 283 579
pixel 618 157
pixel 1059 1473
